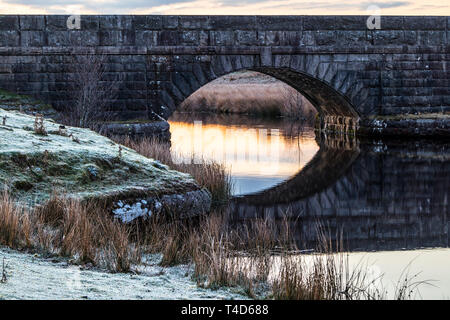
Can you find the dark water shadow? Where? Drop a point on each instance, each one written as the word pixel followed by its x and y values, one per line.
pixel 374 195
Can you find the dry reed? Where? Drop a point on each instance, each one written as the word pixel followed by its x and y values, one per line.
pixel 69 228
pixel 210 175
pixel 222 253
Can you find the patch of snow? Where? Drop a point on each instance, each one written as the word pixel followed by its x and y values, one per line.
pixel 128 213
pixel 379 125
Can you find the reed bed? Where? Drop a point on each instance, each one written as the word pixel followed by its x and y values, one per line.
pixel 260 257
pixel 261 99
pixel 65 227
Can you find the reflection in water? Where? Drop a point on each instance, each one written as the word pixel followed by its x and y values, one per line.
pixel 428 265
pixel 259 156
pixel 383 195
pixel 389 195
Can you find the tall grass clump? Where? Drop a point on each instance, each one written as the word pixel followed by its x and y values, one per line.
pixel 66 227
pixel 87 232
pixel 15 224
pixel 259 256
pixel 264 260
pixel 210 175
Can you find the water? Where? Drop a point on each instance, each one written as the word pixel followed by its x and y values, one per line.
pixel 383 198
pixel 258 153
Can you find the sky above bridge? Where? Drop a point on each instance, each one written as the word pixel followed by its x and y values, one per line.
pixel 225 7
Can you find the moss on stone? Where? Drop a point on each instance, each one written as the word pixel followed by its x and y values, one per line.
pixel 11 101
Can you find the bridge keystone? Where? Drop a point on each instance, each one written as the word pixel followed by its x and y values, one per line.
pixel 266 57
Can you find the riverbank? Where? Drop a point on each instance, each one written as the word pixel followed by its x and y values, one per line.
pixel 435 125
pixel 39 157
pixel 222 254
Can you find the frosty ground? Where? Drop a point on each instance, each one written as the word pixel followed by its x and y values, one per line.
pixel 33 277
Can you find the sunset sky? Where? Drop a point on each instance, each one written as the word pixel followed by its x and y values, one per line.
pixel 225 7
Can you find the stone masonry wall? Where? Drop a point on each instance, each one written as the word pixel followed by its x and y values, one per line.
pixel 335 61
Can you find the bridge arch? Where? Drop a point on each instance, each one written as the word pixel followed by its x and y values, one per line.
pixel 332 160
pixel 331 91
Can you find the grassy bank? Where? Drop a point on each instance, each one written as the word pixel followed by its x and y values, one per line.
pixel 260 257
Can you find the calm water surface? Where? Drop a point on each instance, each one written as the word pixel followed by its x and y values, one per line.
pixel 387 198
pixel 259 154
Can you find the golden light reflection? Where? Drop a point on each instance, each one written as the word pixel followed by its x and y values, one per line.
pixel 250 153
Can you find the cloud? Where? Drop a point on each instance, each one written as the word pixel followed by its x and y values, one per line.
pixel 211 7
pixel 386 5
pixel 97 6
pixel 300 5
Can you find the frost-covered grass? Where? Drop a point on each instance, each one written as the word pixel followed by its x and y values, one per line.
pixel 80 162
pixel 31 277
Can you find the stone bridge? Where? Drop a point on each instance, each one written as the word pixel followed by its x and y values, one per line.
pixel 351 74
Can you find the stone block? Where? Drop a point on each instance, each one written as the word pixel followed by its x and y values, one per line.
pixel 169 22
pixel 246 37
pixel 282 61
pixel 431 38
pixel 116 22
pixel 56 22
pixel 72 38
pixel 221 38
pixel 385 37
pixel 325 38
pixel 148 22
pixel 424 23
pixel 189 37
pixel 320 23
pixel 32 38
pixel 9 23
pixel 9 38
pixel 146 38
pixel 117 38
pixel 32 23
pixel 392 23
pixel 410 37
pixel 167 38
pixel 307 38
pixel 266 57
pixel 204 38
pixel 352 37
pixel 233 23
pixel 351 22
pixel 91 23
pixel 280 23
pixel 194 22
